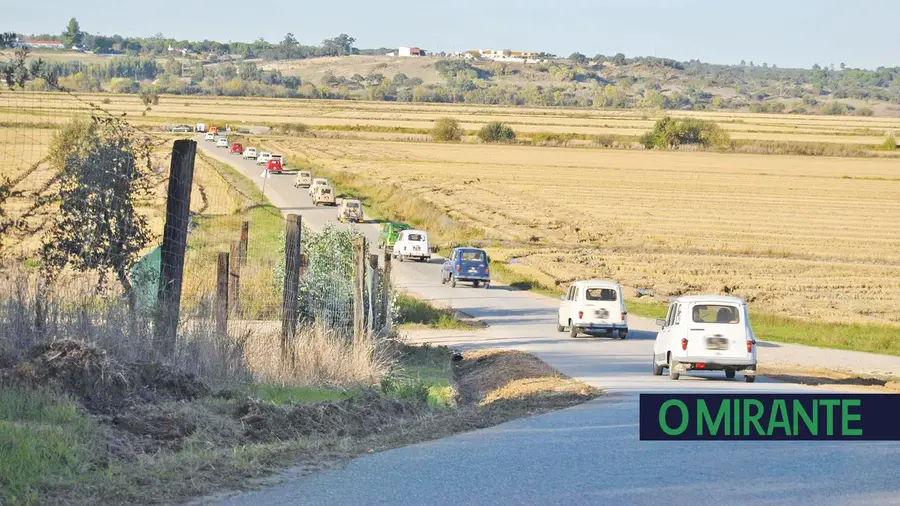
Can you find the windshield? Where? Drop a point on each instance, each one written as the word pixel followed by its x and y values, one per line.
pixel 472 256
pixel 712 313
pixel 601 294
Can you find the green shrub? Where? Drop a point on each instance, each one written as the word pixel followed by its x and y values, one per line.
pixel 670 133
pixel 292 128
pixel 605 141
pixel 890 143
pixel 447 129
pixel 496 132
pixel 864 111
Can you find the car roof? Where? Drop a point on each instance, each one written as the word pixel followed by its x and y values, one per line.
pixel 715 299
pixel 596 282
pixel 469 248
pixel 415 231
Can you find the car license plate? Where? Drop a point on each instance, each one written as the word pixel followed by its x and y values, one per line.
pixel 602 313
pixel 716 343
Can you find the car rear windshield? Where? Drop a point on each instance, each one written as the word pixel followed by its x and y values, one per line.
pixel 714 313
pixel 473 256
pixel 353 205
pixel 601 294
pixel 416 237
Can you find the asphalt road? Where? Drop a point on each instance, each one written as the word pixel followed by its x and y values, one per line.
pixel 589 454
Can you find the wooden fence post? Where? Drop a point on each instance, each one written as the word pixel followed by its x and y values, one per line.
pixel 178 206
pixel 359 283
pixel 222 294
pixel 245 237
pixel 234 277
pixel 386 291
pixel 373 291
pixel 291 301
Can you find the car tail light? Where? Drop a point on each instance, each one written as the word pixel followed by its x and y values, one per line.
pixel 750 346
pixel 580 314
pixel 684 344
pixel 457 267
pixel 623 316
pixel 700 366
pixel 487 271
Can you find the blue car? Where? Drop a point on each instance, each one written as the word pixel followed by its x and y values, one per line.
pixel 469 265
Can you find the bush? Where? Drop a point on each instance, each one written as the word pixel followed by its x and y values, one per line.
pixel 292 128
pixel 447 129
pixel 605 141
pixel 670 133
pixel 864 111
pixel 496 132
pixel 890 143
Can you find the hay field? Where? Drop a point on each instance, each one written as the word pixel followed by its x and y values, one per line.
pixel 30 106
pixel 812 237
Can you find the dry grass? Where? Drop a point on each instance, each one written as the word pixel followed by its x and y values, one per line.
pixel 837 380
pixel 486 377
pixel 800 236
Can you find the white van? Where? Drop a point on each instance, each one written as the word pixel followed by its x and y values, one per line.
pixel 319 181
pixel 706 333
pixel 412 244
pixel 210 136
pixel 593 306
pixel 263 158
pixel 304 179
pixel 249 154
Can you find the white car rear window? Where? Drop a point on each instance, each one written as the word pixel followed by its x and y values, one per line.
pixel 714 313
pixel 415 237
pixel 601 294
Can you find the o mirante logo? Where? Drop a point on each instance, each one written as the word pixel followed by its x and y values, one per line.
pixel 866 417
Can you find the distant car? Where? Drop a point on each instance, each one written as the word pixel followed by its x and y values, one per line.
pixel 412 244
pixel 182 128
pixel 324 195
pixel 319 181
pixel 390 233
pixel 593 306
pixel 471 265
pixel 210 136
pixel 706 333
pixel 350 210
pixel 249 154
pixel 279 157
pixel 237 148
pixel 263 158
pixel 274 165
pixel 222 142
pixel 304 179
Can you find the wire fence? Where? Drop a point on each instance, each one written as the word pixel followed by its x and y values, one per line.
pixel 89 213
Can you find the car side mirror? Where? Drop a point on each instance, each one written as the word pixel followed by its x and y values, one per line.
pixel 661 323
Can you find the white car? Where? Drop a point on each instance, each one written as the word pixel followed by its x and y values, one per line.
pixel 319 181
pixel 249 154
pixel 210 136
pixel 263 158
pixel 412 244
pixel 706 333
pixel 222 142
pixel 593 306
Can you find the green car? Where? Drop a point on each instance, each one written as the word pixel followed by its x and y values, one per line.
pixel 389 234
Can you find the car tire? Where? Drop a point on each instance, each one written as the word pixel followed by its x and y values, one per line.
pixel 443 279
pixel 476 284
pixel 559 328
pixel 729 373
pixel 749 378
pixel 486 285
pixel 623 334
pixel 657 369
pixel 573 330
pixel 672 374
pixel 452 281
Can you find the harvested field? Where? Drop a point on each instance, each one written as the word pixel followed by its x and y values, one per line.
pixel 812 237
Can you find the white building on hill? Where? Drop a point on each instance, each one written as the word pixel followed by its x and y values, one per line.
pixel 410 51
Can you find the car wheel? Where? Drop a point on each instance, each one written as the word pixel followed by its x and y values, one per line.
pixel 486 285
pixel 559 328
pixel 453 281
pixel 729 373
pixel 573 330
pixel 443 279
pixel 623 334
pixel 657 369
pixel 749 378
pixel 475 284
pixel 672 374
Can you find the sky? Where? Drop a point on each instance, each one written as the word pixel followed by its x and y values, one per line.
pixel 788 33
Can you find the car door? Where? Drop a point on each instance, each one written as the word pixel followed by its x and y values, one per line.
pixel 661 345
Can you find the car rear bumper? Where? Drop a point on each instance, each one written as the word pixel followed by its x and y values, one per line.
pixel 715 364
pixel 601 326
pixel 473 277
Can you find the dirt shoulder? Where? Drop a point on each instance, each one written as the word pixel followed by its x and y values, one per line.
pixel 85 430
pixel 830 379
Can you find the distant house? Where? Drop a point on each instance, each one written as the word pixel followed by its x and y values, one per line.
pixel 43 44
pixel 504 55
pixel 410 51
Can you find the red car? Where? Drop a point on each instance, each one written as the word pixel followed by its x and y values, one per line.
pixel 274 166
pixel 237 149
